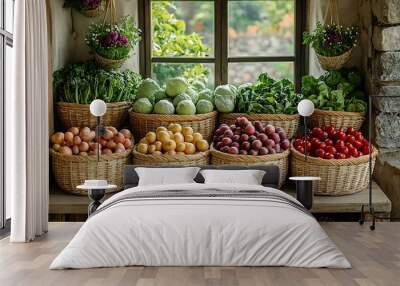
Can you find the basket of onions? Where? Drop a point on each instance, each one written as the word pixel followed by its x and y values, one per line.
pixel 175 145
pixel 251 143
pixel 74 160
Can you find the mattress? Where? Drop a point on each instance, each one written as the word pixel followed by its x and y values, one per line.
pixel 201 225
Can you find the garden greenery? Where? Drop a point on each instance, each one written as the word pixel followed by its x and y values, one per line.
pixel 332 40
pixel 113 41
pixel 82 83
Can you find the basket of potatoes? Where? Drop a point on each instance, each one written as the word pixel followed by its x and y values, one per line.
pixel 172 145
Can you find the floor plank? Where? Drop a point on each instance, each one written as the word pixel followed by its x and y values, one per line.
pixel 375 257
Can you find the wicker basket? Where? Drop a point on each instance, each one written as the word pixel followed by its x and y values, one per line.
pixel 338 177
pixel 279 159
pixel 339 119
pixel 108 63
pixel 334 63
pixel 78 115
pixel 198 159
pixel 71 171
pixel 143 123
pixel 289 123
pixel 93 12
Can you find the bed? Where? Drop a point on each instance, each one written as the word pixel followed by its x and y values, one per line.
pixel 201 224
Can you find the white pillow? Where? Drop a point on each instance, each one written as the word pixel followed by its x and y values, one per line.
pixel 247 177
pixel 166 176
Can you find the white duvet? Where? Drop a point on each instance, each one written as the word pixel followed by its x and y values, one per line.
pixel 200 231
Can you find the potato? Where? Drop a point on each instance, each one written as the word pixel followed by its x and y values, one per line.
pixel 142 148
pixel 151 137
pixel 169 145
pixel 190 149
pixel 178 138
pixel 196 137
pixel 202 145
pixel 187 130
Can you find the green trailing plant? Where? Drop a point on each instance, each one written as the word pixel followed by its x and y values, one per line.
pixel 113 41
pixel 336 91
pixel 331 40
pixel 82 83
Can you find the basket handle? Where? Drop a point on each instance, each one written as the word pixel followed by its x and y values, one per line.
pixel 111 12
pixel 332 12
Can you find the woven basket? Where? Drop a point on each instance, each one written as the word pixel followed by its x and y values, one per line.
pixel 198 159
pixel 78 115
pixel 143 123
pixel 334 63
pixel 280 159
pixel 339 119
pixel 338 177
pixel 71 171
pixel 93 12
pixel 289 123
pixel 108 63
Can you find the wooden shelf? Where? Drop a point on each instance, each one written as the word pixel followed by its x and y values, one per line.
pixel 62 203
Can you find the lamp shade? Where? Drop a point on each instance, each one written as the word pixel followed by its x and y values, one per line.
pixel 305 107
pixel 98 108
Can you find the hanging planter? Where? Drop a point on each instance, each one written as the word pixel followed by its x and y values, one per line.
pixel 89 8
pixel 112 41
pixel 332 42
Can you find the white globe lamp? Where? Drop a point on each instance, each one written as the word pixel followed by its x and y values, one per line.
pixel 98 108
pixel 305 109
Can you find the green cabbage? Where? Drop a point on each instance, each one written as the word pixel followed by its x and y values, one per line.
pixel 225 98
pixel 204 106
pixel 198 85
pixel 175 86
pixel 193 94
pixel 206 94
pixel 180 97
pixel 142 105
pixel 164 107
pixel 186 107
pixel 159 94
pixel 147 89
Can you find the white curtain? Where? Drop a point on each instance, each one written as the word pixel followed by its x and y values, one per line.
pixel 27 124
pixel 315 14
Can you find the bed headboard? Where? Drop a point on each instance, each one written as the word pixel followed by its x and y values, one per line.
pixel 271 177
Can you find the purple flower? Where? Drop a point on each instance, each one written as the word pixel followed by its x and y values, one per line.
pixel 114 39
pixel 90 4
pixel 334 38
pixel 122 40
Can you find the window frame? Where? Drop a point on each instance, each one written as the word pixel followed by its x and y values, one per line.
pixel 221 59
pixel 6 39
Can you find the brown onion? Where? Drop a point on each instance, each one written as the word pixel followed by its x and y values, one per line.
pixel 128 144
pixel 127 133
pixel 119 138
pixel 74 130
pixel 75 150
pixel 65 150
pixel 112 129
pixel 57 138
pixel 111 144
pixel 108 135
pixel 85 131
pixel 56 147
pixel 77 140
pixel 84 147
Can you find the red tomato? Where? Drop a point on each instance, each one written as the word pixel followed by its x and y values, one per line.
pixel 340 136
pixel 329 156
pixel 298 142
pixel 359 136
pixel 357 144
pixel 315 142
pixel 317 132
pixel 349 145
pixel 365 142
pixel 339 143
pixel 353 152
pixel 330 149
pixel 343 150
pixel 365 150
pixel 328 142
pixel 350 130
pixel 350 139
pixel 319 153
pixel 330 130
pixel 321 145
pixel 340 156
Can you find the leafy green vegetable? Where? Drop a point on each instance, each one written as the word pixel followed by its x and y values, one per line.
pixel 175 86
pixel 84 82
pixel 147 89
pixel 180 97
pixel 142 105
pixel 204 106
pixel 186 107
pixel 164 106
pixel 225 98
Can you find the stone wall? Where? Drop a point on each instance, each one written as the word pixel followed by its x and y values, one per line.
pixel 385 81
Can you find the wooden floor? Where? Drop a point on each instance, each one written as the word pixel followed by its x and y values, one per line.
pixel 375 257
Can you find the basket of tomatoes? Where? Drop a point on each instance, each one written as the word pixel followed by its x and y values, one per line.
pixel 339 157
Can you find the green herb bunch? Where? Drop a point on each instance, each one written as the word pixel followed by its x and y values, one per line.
pixel 332 40
pixel 336 91
pixel 113 41
pixel 268 95
pixel 82 83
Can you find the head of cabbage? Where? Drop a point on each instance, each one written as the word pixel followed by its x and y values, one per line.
pixel 198 85
pixel 159 94
pixel 225 98
pixel 180 97
pixel 142 105
pixel 186 107
pixel 164 107
pixel 147 89
pixel 204 106
pixel 206 94
pixel 193 94
pixel 175 86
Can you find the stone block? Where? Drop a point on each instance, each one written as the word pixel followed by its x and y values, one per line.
pixel 386 38
pixel 387 130
pixel 387 11
pixel 388 104
pixel 387 66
